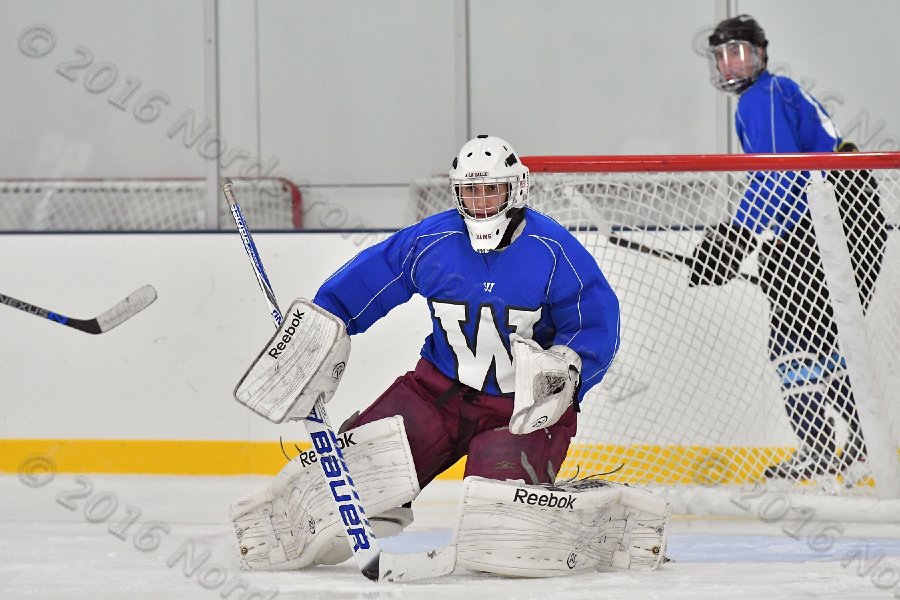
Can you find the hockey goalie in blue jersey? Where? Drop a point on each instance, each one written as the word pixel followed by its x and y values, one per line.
pixel 524 324
pixel 502 281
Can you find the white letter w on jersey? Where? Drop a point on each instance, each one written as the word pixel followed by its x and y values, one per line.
pixel 474 360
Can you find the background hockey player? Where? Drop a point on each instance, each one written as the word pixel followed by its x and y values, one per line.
pixel 775 115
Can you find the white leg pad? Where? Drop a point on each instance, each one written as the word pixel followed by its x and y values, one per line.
pixel 510 528
pixel 292 522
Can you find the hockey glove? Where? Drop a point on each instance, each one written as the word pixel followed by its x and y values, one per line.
pixel 546 384
pixel 718 257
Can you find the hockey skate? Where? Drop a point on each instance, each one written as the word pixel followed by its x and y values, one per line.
pixel 851 464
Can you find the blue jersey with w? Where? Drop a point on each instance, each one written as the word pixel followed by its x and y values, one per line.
pixel 776 115
pixel 544 286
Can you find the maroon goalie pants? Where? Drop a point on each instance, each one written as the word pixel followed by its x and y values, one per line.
pixel 446 420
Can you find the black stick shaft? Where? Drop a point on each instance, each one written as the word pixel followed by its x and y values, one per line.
pixel 666 255
pixel 121 312
pixel 89 325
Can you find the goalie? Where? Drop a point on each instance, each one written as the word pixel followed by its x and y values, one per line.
pixel 524 324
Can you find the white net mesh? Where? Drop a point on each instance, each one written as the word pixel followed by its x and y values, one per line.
pixel 141 204
pixel 737 381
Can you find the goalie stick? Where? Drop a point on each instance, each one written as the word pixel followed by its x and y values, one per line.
pixel 134 303
pixel 373 563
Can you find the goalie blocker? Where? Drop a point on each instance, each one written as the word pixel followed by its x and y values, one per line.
pixel 510 528
pixel 304 360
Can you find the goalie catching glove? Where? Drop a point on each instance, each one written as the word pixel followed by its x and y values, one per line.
pixel 718 257
pixel 304 360
pixel 546 384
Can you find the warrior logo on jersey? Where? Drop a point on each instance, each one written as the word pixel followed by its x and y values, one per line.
pixel 489 286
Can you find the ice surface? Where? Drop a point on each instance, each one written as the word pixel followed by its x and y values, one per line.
pixel 90 537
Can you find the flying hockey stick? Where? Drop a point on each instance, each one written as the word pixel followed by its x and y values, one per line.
pixel 134 303
pixel 373 563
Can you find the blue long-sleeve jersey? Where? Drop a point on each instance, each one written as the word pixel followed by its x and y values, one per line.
pixel 544 286
pixel 775 115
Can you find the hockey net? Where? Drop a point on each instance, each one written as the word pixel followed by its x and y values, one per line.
pixel 697 404
pixel 142 204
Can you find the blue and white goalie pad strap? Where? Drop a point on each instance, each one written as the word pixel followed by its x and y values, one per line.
pixel 304 360
pixel 510 528
pixel 293 522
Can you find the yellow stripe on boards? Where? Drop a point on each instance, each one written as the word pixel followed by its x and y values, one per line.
pixel 682 465
pixel 675 465
pixel 159 457
pixel 641 464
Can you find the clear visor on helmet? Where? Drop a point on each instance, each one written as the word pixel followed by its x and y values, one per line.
pixel 482 198
pixel 734 65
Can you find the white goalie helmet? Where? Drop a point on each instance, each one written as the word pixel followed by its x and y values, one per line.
pixel 488 182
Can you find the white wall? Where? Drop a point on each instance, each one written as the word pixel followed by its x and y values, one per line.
pixel 588 77
pixel 168 373
pixel 842 53
pixel 354 99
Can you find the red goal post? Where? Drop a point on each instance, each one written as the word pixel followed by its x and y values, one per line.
pixel 712 162
pixel 695 404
